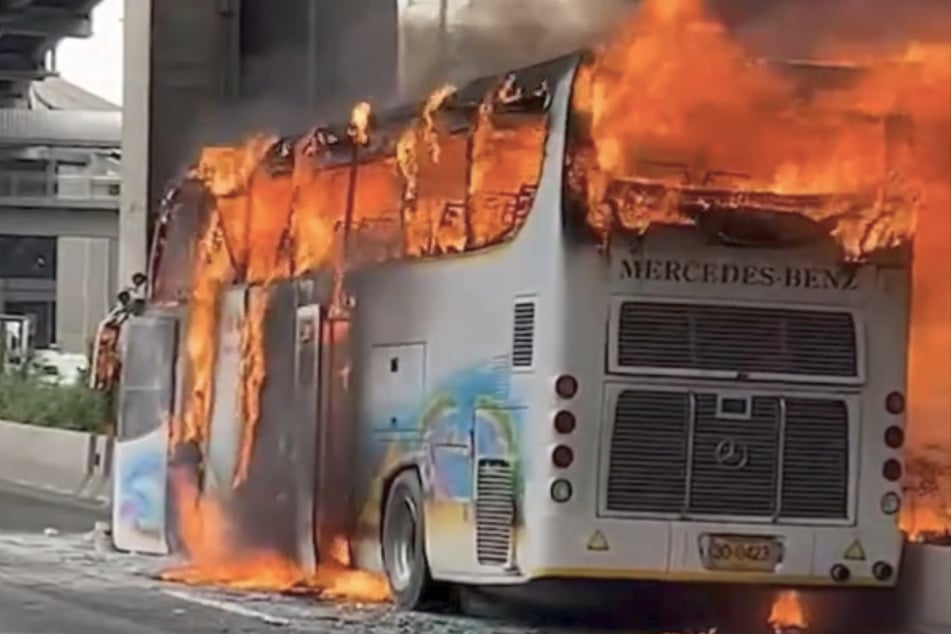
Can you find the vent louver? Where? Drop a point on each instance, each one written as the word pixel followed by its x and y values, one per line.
pixel 523 335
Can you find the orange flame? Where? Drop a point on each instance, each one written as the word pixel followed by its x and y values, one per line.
pixel 743 122
pixel 787 612
pixel 360 123
pixel 434 103
pixel 252 374
pixel 215 559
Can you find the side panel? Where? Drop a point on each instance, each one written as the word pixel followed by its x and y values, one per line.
pixel 489 363
pixel 305 448
pixel 276 496
pixel 145 406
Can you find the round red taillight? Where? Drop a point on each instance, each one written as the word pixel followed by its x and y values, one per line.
pixel 895 403
pixel 562 456
pixel 894 437
pixel 891 470
pixel 565 422
pixel 566 386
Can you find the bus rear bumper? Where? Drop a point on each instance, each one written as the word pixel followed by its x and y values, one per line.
pixel 678 552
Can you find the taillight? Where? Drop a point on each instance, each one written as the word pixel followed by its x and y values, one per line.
pixel 565 422
pixel 895 403
pixel 894 437
pixel 892 470
pixel 562 456
pixel 566 386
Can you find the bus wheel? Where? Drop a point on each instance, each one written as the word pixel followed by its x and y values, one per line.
pixel 404 551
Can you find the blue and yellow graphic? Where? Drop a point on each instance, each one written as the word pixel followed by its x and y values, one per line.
pixel 139 495
pixel 469 416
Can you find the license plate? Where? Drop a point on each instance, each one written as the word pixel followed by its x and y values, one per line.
pixel 740 553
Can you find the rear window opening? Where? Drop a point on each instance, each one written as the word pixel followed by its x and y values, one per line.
pixel 833 223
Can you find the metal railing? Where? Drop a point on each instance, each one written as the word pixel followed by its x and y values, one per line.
pixel 26 185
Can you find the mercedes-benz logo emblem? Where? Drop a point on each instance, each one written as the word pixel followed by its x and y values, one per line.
pixel 731 454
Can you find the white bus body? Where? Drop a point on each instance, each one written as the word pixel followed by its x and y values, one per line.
pixel 724 396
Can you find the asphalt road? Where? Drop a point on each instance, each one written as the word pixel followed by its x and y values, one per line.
pixel 66 583
pixel 28 511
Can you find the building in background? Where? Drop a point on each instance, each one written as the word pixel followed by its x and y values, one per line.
pixel 59 180
pixel 59 201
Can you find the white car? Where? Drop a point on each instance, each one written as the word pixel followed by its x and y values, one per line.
pixel 59 368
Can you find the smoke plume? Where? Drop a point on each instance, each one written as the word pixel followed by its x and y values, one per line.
pixel 491 36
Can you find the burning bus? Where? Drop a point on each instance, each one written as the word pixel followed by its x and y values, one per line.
pixel 518 335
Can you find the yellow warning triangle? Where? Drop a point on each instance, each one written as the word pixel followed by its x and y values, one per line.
pixel 855 552
pixel 598 542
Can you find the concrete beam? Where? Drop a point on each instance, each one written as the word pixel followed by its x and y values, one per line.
pixel 59 222
pixel 45 21
pixel 41 204
pixel 17 67
pixel 32 74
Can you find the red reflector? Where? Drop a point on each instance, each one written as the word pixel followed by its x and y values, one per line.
pixel 566 386
pixel 892 470
pixel 895 403
pixel 565 422
pixel 894 437
pixel 562 456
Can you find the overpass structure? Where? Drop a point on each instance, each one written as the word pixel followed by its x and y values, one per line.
pixel 29 30
pixel 59 178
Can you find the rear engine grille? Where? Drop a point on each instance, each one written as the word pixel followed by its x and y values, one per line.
pixel 495 512
pixel 672 454
pixel 815 459
pixel 648 462
pixel 746 483
pixel 736 339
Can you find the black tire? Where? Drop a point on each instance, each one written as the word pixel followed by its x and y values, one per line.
pixel 404 544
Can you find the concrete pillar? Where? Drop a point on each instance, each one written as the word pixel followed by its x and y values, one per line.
pixel 136 98
pixel 189 76
pixel 83 292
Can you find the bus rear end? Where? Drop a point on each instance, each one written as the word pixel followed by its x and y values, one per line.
pixel 740 404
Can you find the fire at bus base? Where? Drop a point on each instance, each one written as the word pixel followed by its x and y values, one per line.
pixel 640 313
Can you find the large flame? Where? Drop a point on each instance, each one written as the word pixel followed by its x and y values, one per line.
pixel 674 90
pixel 674 98
pixel 216 557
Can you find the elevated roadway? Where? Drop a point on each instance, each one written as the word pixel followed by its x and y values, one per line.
pixel 28 30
